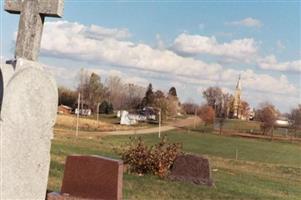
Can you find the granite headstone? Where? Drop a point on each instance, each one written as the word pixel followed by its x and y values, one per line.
pixel 192 168
pixel 91 177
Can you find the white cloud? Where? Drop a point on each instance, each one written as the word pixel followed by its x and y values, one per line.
pixel 270 63
pixel 267 83
pixel 242 49
pixel 68 40
pixel 160 42
pixel 248 22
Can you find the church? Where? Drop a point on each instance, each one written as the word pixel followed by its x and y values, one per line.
pixel 240 111
pixel 237 103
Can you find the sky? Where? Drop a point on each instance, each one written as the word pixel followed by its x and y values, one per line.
pixel 190 45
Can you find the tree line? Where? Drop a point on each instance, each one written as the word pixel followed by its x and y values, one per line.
pixel 115 94
pixel 220 106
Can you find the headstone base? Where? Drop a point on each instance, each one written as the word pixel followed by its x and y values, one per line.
pixel 58 196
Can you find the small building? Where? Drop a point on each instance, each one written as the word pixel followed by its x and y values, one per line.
pixel 282 122
pixel 62 109
pixel 83 110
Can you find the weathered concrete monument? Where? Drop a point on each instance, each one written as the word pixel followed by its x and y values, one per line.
pixel 28 105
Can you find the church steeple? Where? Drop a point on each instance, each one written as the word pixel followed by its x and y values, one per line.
pixel 238 85
pixel 237 99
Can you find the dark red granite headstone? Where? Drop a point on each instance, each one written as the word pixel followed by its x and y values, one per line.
pixel 93 177
pixel 192 168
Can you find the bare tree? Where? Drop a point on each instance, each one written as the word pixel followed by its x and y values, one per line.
pixel 116 91
pixel 245 108
pixel 67 96
pixel 190 108
pixel 124 95
pixel 214 96
pixel 96 91
pixel 295 117
pixel 83 85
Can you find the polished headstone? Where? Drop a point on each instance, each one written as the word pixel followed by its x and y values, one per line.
pixel 93 177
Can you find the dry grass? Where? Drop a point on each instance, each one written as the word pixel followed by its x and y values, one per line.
pixel 90 124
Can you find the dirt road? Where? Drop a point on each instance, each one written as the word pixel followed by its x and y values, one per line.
pixel 190 121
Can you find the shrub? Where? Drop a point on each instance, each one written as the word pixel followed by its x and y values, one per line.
pixel 157 160
pixel 206 113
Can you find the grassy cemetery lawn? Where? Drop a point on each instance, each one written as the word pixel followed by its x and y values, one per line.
pixel 263 170
pixel 243 126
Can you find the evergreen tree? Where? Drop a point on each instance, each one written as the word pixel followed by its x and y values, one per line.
pixel 149 98
pixel 172 92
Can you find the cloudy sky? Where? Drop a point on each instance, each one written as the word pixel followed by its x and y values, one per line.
pixel 189 45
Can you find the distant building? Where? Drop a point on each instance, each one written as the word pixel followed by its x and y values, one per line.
pixel 282 122
pixel 237 100
pixel 83 110
pixel 62 109
pixel 239 107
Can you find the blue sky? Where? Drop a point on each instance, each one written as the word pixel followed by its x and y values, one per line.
pixel 191 45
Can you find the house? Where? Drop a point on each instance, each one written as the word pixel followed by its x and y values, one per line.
pixel 62 109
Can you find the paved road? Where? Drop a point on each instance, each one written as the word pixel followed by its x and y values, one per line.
pixel 173 125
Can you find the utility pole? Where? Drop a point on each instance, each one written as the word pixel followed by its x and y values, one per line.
pixel 159 122
pixel 194 122
pixel 97 112
pixel 77 120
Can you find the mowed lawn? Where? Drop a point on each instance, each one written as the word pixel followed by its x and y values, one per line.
pixel 263 170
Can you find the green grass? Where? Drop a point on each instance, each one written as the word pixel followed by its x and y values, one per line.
pixel 264 169
pixel 244 126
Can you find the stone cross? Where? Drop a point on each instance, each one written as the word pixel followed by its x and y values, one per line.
pixel 33 13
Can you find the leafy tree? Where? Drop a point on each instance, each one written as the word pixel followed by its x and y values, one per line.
pixel 161 102
pixel 267 115
pixel 206 113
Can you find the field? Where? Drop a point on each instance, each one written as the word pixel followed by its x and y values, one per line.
pixel 253 127
pixel 90 124
pixel 263 169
